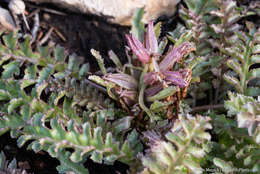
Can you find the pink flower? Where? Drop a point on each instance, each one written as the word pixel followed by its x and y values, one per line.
pixel 169 77
pixel 175 55
pixel 151 45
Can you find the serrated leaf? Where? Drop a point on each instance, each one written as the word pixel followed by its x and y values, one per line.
pixel 255 59
pixel 122 124
pixel 27 82
pixel 60 95
pixel 76 156
pixel 97 157
pixel 40 88
pixel 226 167
pixel 109 160
pixel 235 66
pixel 22 140
pixel 234 81
pixel 36 146
pixel 10 69
pixel 15 103
pixel 254 73
pixel 97 139
pixel 44 74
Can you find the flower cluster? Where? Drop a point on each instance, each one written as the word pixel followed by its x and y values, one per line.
pixel 154 75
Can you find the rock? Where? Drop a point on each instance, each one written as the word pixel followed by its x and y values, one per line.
pixel 17 6
pixel 6 20
pixel 118 11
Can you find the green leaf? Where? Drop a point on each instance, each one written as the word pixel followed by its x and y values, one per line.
pixel 255 59
pixel 162 94
pixel 4 95
pixel 235 66
pixel 10 40
pixel 226 167
pixel 233 81
pixel 76 156
pixel 60 95
pixel 15 103
pixel 84 69
pixel 254 73
pixel 157 29
pixel 256 49
pixel 122 124
pixel 10 69
pixel 157 105
pixel 98 141
pixel 40 88
pixel 115 59
pixel 97 157
pixel 137 24
pixel 253 91
pixel 59 54
pixel 26 47
pixel 27 82
pixel 44 74
pixel 73 64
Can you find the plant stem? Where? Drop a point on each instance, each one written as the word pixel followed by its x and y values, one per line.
pixel 141 93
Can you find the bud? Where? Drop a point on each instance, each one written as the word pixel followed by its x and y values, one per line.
pixel 138 49
pixel 175 55
pixel 175 78
pixel 151 43
pixel 122 80
pixel 150 78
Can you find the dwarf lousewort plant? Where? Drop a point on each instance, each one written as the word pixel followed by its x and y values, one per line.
pixel 149 79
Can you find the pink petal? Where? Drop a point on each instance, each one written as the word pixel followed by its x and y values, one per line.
pixel 153 90
pixel 175 78
pixel 129 97
pixel 138 49
pixel 123 80
pixel 150 78
pixel 175 55
pixel 151 43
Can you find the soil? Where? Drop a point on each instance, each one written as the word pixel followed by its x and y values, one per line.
pixel 77 33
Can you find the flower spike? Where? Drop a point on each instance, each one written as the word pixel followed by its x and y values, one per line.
pixel 138 49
